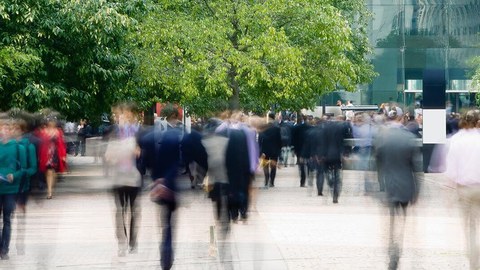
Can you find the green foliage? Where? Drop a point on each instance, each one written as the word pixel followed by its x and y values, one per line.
pixel 65 54
pixel 475 64
pixel 252 53
pixel 79 57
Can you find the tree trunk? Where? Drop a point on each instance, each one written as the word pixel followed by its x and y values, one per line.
pixel 234 102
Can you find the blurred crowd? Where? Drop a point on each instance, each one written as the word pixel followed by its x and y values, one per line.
pixel 222 155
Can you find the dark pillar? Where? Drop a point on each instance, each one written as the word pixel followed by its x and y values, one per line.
pixel 434 119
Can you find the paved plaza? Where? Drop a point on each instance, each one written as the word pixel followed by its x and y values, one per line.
pixel 289 227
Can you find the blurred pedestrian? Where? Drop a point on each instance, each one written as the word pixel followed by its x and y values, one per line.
pixel 462 168
pixel 216 148
pixel 299 132
pixel 12 164
pixel 241 162
pixel 19 132
pixel 335 135
pixel 194 157
pixel 286 135
pixel 162 157
pixel 395 151
pixel 362 131
pixel 270 142
pixel 105 130
pixel 316 147
pixel 122 153
pixel 52 153
pixel 83 132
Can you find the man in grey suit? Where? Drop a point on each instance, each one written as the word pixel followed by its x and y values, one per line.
pixel 395 152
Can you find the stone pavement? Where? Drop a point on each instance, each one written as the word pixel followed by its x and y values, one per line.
pixel 289 227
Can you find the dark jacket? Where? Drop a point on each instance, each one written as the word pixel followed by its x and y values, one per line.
pixel 270 141
pixel 335 135
pixel 161 154
pixel 193 150
pixel 237 161
pixel 316 144
pixel 299 132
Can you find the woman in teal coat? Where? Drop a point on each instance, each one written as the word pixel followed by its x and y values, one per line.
pixel 12 160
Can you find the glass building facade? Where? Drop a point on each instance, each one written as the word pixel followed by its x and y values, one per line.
pixel 410 36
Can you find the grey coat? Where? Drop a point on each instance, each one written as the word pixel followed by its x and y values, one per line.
pixel 395 152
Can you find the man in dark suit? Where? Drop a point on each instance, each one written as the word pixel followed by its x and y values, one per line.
pixel 316 149
pixel 161 154
pixel 335 134
pixel 299 132
pixel 395 152
pixel 270 142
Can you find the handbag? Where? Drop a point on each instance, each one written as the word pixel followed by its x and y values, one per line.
pixel 160 193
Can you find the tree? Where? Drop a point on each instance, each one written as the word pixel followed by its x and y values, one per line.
pixel 474 63
pixel 68 55
pixel 252 54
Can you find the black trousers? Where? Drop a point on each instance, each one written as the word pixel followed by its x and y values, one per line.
pixel 126 221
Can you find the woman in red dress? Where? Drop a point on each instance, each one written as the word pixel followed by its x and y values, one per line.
pixel 52 152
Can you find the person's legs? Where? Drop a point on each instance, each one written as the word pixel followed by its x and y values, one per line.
pixel 310 172
pixel 233 205
pixel 398 212
pixel 320 178
pixel 273 171
pixel 302 169
pixel 21 210
pixel 244 204
pixel 7 206
pixel 120 226
pixel 266 173
pixel 337 181
pixel 166 247
pixel 83 146
pixel 50 178
pixel 285 152
pixel 470 201
pixel 132 193
pixel 380 176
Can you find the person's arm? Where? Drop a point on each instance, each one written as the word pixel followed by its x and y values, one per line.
pixel 32 160
pixel 20 165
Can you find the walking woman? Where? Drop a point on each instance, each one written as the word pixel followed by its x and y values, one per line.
pixel 52 152
pixel 122 154
pixel 12 162
pixel 462 168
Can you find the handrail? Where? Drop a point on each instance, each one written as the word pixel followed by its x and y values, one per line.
pixel 354 142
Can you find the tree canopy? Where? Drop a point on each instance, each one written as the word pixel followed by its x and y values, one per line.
pixel 253 54
pixel 66 55
pixel 79 57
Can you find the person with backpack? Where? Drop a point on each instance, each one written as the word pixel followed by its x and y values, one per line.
pixel 12 162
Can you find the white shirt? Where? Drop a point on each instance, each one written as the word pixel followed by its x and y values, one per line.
pixel 463 157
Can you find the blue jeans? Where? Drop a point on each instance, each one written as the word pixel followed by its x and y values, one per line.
pixel 7 205
pixel 166 246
